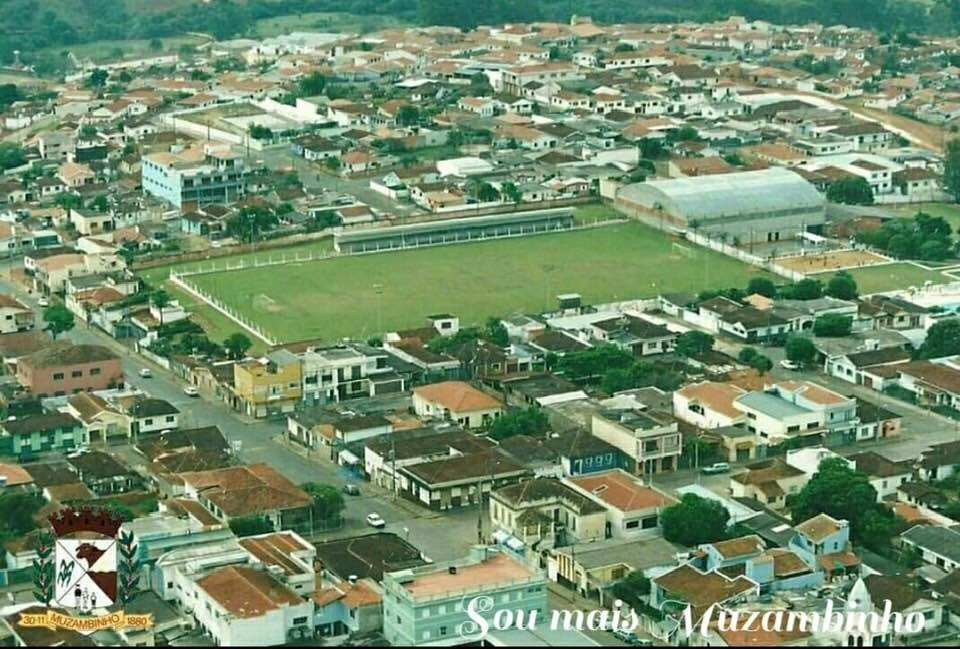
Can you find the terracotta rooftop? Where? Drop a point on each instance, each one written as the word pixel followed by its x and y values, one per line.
pixel 275 550
pixel 457 396
pixel 819 527
pixel 246 592
pixel 244 490
pixel 718 397
pixel 739 547
pixel 702 589
pixel 497 570
pixel 619 490
pixel 14 475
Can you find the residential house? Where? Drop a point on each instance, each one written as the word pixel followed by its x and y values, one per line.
pixel 939 546
pixel 546 512
pixel 933 383
pixel 825 541
pixel 634 334
pixel 456 401
pixel 708 404
pixel 792 409
pixel 632 508
pixel 29 435
pixel 459 480
pixel 103 474
pixel 103 422
pixel 769 481
pixel 649 439
pixel 886 476
pixel 14 315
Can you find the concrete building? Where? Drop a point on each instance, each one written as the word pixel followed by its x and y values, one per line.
pixel 759 206
pixel 65 369
pixel 632 508
pixel 792 409
pixel 272 384
pixel 14 315
pixel 425 606
pixel 456 401
pixel 653 444
pixel 192 177
pixel 341 372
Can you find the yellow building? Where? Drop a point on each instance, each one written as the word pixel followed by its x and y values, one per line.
pixel 269 385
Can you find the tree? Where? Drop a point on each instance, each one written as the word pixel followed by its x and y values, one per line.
pixel 762 286
pixel 496 332
pixel 408 115
pixel 693 343
pixel 746 355
pixel 632 589
pixel 842 286
pixel 11 155
pixel 312 84
pixel 528 421
pixel 237 345
pixel 694 520
pixel 327 503
pixel 832 325
pixel 805 289
pixel 160 299
pixel 156 44
pixel 761 363
pixel 951 169
pixel 800 349
pixel 258 132
pixel 59 319
pixel 651 148
pixel 251 525
pixel 851 191
pixel 17 510
pixel 844 493
pixel 943 339
pixel 250 222
pixel 98 78
pixel 487 193
pixel 511 192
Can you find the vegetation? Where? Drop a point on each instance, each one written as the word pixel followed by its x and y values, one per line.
pixel 832 325
pixel 327 503
pixel 250 525
pixel 694 343
pixel 11 155
pixel 806 289
pixel 943 339
pixel 762 286
pixel 237 345
pixel 951 169
pixel 529 421
pixel 923 237
pixel 800 349
pixel 842 286
pixel 845 493
pixel 59 319
pixel 694 520
pixel 852 191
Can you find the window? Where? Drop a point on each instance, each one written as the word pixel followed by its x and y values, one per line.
pixel 95 371
pixel 300 620
pixel 632 525
pixel 75 374
pixel 148 422
pixel 170 418
pixel 443 631
pixel 58 376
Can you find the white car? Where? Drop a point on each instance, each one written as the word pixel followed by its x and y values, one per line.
pixel 145 372
pixel 191 391
pixel 788 364
pixel 374 520
pixel 44 302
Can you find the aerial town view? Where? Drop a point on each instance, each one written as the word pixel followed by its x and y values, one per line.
pixel 488 324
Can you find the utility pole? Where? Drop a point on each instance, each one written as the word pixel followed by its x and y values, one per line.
pixel 393 465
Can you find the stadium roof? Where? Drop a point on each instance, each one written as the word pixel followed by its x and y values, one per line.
pixel 771 191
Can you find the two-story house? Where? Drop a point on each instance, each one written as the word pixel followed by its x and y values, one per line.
pixel 65 369
pixel 14 315
pixel 792 409
pixel 650 440
pixel 268 385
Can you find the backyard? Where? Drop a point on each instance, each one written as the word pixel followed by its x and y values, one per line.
pixel 358 296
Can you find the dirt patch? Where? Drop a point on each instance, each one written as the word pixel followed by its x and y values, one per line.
pixel 264 302
pixel 833 260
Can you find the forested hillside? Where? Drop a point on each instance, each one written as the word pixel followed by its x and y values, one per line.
pixel 32 25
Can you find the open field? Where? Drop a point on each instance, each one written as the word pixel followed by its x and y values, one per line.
pixel 334 298
pixel 949 211
pixel 889 277
pixel 106 51
pixel 830 260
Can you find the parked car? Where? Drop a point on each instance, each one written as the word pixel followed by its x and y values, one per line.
pixel 374 520
pixel 626 636
pixel 191 391
pixel 351 490
pixel 716 467
pixel 145 372
pixel 44 302
pixel 788 364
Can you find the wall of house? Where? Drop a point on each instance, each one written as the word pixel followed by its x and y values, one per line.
pixel 60 380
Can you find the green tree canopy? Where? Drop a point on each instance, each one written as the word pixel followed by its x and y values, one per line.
pixel 59 319
pixel 800 349
pixel 805 289
pixel 693 343
pixel 251 525
pixel 761 363
pixel 852 191
pixel 236 345
pixel 762 286
pixel 528 421
pixel 327 502
pixel 11 155
pixel 943 339
pixel 842 286
pixel 951 169
pixel 832 325
pixel 694 520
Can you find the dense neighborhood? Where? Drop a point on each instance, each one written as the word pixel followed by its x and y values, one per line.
pixel 345 329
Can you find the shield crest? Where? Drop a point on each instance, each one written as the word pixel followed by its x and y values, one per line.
pixel 86 573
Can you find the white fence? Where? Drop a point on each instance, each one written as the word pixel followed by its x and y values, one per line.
pixel 742 255
pixel 194 290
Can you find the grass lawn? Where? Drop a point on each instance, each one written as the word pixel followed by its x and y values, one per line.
pixel 336 297
pixel 324 22
pixel 105 51
pixel 889 277
pixel 594 212
pixel 949 211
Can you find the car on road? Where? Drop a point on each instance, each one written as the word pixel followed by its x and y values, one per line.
pixel 626 636
pixel 788 364
pixel 716 467
pixel 374 520
pixel 351 490
pixel 145 372
pixel 44 302
pixel 191 391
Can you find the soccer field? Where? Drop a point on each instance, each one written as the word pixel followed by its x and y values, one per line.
pixel 358 296
pixel 890 277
